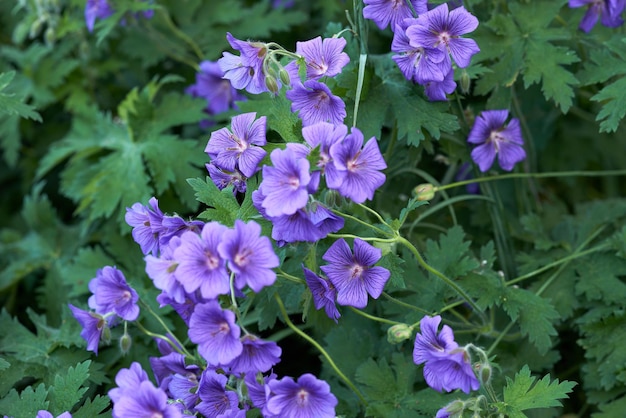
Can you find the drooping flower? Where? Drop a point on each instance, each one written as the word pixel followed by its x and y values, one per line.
pixel 440 28
pixel 315 103
pixel 215 332
pixel 250 255
pixel 111 293
pixel 145 401
pixel 354 275
pixel 245 71
pixel 223 178
pixel 94 325
pixel 437 90
pixel 324 58
pixel 494 138
pixel 324 293
pixel 358 167
pixel 392 12
pixel 215 398
pixel 199 263
pixel 257 356
pixel 447 366
pixel 235 150
pixel 608 11
pixel 96 9
pixel 306 397
pixel 147 225
pixel 217 91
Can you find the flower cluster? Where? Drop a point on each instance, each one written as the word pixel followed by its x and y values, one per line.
pixel 494 138
pixel 285 196
pixel 608 11
pixel 425 44
pixel 218 92
pixel 235 155
pixel 447 366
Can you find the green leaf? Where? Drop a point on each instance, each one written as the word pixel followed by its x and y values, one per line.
pixel 67 390
pixel 392 262
pixel 12 104
pixel 523 393
pixel 93 408
pixel 451 254
pixel 25 405
pixel 280 118
pixel 223 206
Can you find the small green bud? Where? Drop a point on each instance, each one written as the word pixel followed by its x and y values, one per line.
pixel 270 83
pixel 35 27
pixel 484 373
pixel 465 82
pixel 284 76
pixel 106 334
pixel 125 343
pixel 50 36
pixel 398 333
pixel 425 191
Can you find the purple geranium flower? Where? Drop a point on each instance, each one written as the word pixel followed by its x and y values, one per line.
pixel 111 293
pixel 215 332
pixel 259 391
pixel 162 271
pixel 437 90
pixel 325 135
pixel 217 91
pixel 285 185
pixel 257 356
pixel 385 12
pixel 354 275
pixel 46 414
pixel 235 150
pixel 250 255
pixel 358 166
pixel 324 293
pixel 308 397
pixel 127 381
pixel 170 365
pixel 145 401
pixel 315 103
pixel 199 263
pixel 442 29
pixel 494 138
pixel 96 9
pixel 147 225
pixel 609 12
pixel 245 71
pixel 324 58
pixel 93 325
pixel 184 388
pixel 215 398
pixel 222 178
pixel 447 366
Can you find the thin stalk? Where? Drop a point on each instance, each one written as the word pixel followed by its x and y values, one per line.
pixel 373 212
pixel 374 318
pixel 372 239
pixel 165 327
pixel 315 344
pixel 177 348
pixel 404 304
pixel 374 228
pixel 290 277
pixel 181 35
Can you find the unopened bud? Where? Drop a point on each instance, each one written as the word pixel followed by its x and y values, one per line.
pixel 398 333
pixel 106 334
pixel 125 343
pixel 465 82
pixel 271 84
pixel 484 373
pixel 50 36
pixel 424 191
pixel 284 76
pixel 333 199
pixel 35 28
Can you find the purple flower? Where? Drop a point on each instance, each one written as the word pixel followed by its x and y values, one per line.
pixel 447 366
pixel 257 356
pixel 315 103
pixel 217 91
pixel 184 388
pixel 384 12
pixel 250 255
pixel 324 58
pixel 111 293
pixel 437 90
pixel 96 9
pixel 495 138
pixel 235 150
pixel 358 166
pixel 285 185
pixel 46 414
pixel 199 263
pixel 259 391
pixel 308 397
pixel 127 381
pixel 215 332
pixel 146 223
pixel 276 4
pixel 93 327
pixel 175 226
pixel 324 293
pixel 441 29
pixel 609 12
pixel 324 135
pixel 162 271
pixel 171 364
pixel 144 400
pixel 245 71
pixel 418 64
pixel 354 275
pixel 215 399
pixel 185 308
pixel 222 178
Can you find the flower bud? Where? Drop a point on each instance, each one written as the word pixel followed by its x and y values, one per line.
pixel 333 199
pixel 35 28
pixel 425 191
pixel 50 36
pixel 271 84
pixel 484 373
pixel 465 82
pixel 106 334
pixel 454 409
pixel 398 333
pixel 284 76
pixel 125 343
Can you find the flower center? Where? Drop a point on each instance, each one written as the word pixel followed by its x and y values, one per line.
pixel 223 328
pixel 212 262
pixel 444 38
pixel 356 271
pixel 302 398
pixel 242 258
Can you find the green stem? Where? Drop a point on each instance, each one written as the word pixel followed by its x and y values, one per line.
pixel 178 349
pixel 301 333
pixel 552 174
pixel 181 35
pixel 373 212
pixel 404 304
pixel 166 328
pixel 374 318
pixel 373 239
pixel 290 277
pixel 437 273
pixel 374 228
